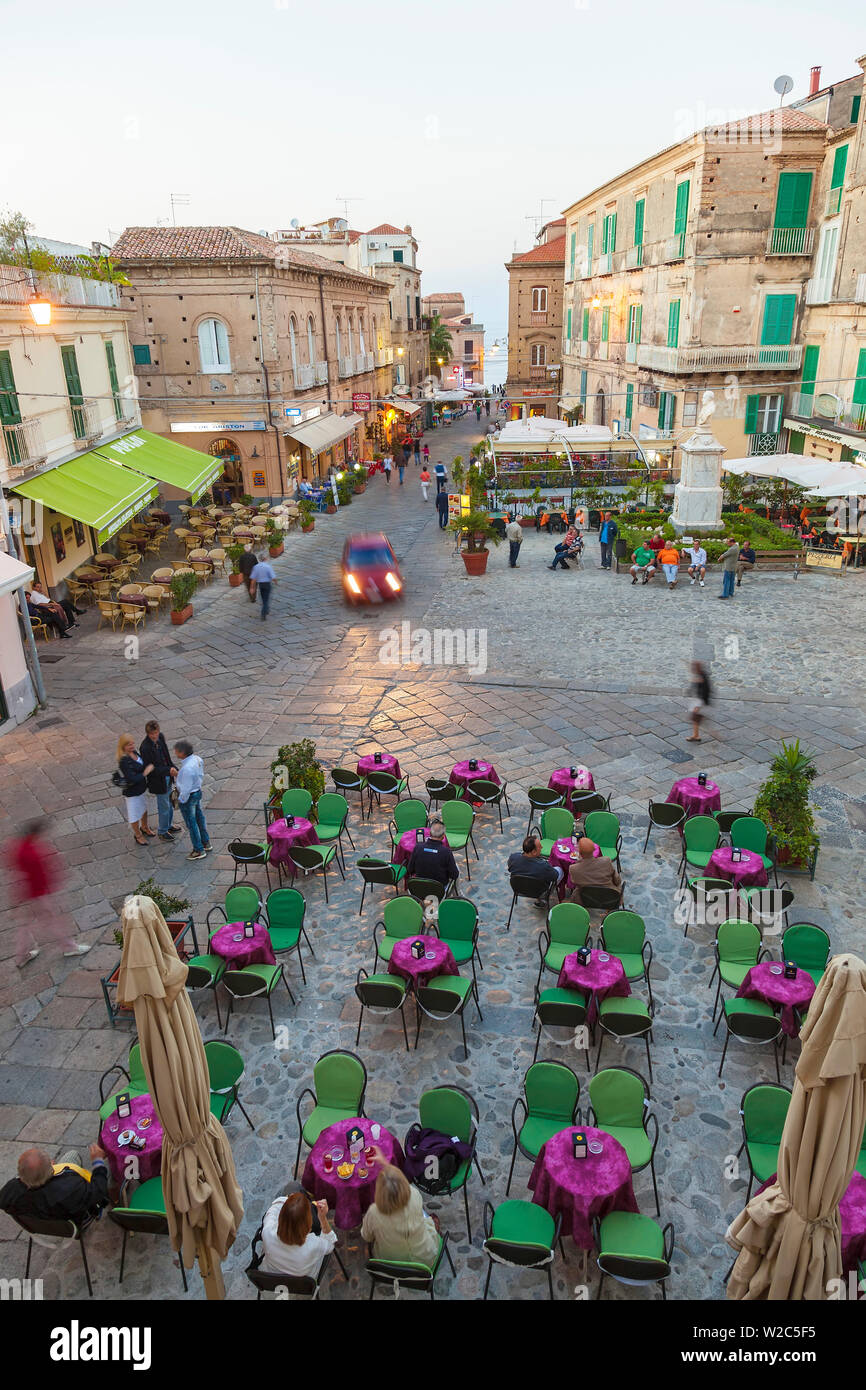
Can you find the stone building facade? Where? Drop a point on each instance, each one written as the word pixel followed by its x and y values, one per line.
pixel 535 326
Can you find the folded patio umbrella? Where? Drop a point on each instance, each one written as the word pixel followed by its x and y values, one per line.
pixel 203 1201
pixel 788 1236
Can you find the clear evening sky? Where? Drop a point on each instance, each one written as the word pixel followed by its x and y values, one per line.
pixel 456 118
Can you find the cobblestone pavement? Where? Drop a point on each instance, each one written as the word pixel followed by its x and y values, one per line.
pixel 580 666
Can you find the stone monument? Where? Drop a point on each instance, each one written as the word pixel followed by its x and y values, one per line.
pixel 698 494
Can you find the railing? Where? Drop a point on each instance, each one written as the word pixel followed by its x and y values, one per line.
pixel 819 290
pixel 18 284
pixel 631 352
pixel 834 201
pixel 321 373
pixel 129 409
pixel 860 291
pixel 785 358
pixel 634 258
pixel 384 356
pixel 346 366
pixel 86 423
pixel 605 263
pixel 827 407
pixel 537 318
pixel 364 362
pixel 674 247
pixel 24 444
pixel 304 375
pixel 790 241
pixel 603 351
pixel 538 373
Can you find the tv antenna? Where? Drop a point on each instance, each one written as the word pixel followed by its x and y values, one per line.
pixel 538 217
pixel 783 86
pixel 346 201
pixel 178 200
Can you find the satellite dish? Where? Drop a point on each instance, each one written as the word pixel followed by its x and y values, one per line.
pixel 783 85
pixel 295 223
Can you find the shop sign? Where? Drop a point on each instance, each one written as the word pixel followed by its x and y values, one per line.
pixel 215 426
pixel 829 560
pixel 362 401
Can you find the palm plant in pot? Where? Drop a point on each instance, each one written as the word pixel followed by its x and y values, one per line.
pixel 479 530
pixel 234 553
pixel 783 805
pixel 183 586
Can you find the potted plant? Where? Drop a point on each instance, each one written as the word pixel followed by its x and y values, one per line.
pixel 183 586
pixel 344 490
pixel 783 805
pixel 306 514
pixel 296 765
pixel 169 906
pixel 359 478
pixel 275 542
pixel 479 530
pixel 234 553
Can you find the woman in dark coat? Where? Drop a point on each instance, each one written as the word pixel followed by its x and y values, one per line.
pixel 135 773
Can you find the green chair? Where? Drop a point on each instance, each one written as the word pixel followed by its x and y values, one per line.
pixel 738 948
pixel 603 828
pixel 485 793
pixel 633 1249
pixel 444 997
pixel 346 781
pixel 410 814
pixel 339 1086
pixel 623 1019
pixel 241 904
pixel 421 888
pixel 584 803
pixel 254 982
pixel 458 928
pixel 763 1111
pixel 136 1082
pixel 225 1069
pixel 559 1008
pixel 542 799
pixel 520 1234
pixel 551 1092
pixel 567 930
pixel 808 946
pixel 332 815
pixel 373 870
pixel 439 789
pixel 664 815
pixel 700 840
pixel 409 1274
pixel 142 1212
pixel 458 818
pixel 726 819
pixel 623 934
pixel 382 995
pixel 754 1023
pixel 403 917
pixel 285 910
pixel 769 906
pixel 381 784
pixel 313 859
pixel 748 832
pixel 712 900
pixel 205 972
pixel 556 824
pixel 297 801
pixel 453 1111
pixel 246 854
pixel 619 1104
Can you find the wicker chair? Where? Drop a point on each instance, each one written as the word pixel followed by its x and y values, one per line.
pixel 108 612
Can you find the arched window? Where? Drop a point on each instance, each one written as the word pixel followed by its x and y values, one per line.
pixel 361 347
pixel 539 299
pixel 538 355
pixel 339 337
pixel 293 343
pixel 311 340
pixel 349 347
pixel 600 407
pixel 213 346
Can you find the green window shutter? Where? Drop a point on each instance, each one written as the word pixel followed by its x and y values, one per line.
pixel 666 410
pixel 112 377
pixel 810 371
pixel 586 325
pixel 795 442
pixel 70 371
pixel 590 239
pixel 674 323
pixel 751 425
pixel 639 209
pixel 605 323
pixel 682 208
pixel 855 110
pixel 778 325
pixel 583 389
pixel 573 246
pixel 10 411
pixel 141 354
pixel 629 330
pixel 840 161
pixel 568 326
pixel 859 397
pixel 608 234
pixel 792 200
pixel 629 401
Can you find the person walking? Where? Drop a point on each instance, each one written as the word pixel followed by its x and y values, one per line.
pixel 608 532
pixel 425 481
pixel 134 773
pixel 35 873
pixel 729 560
pixel 514 536
pixel 189 778
pixel 263 576
pixel 442 509
pixel 417 452
pixel 401 468
pixel 441 476
pixel 487 407
pixel 478 412
pixel 701 693
pixel 154 750
pixel 426 452
pixel 387 464
pixel 246 565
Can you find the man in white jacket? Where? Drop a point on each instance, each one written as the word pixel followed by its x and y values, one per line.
pixel 190 775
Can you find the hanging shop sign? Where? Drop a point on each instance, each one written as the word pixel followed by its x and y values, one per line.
pixel 215 426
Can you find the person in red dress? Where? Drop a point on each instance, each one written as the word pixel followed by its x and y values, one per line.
pixel 34 866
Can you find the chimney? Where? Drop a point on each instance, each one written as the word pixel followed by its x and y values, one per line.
pixel 814 80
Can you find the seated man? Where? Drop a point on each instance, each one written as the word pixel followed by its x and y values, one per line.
pixel 589 872
pixel 60 606
pixel 563 547
pixel 746 560
pixel 304 488
pixel 697 557
pixel 530 864
pixel 669 559
pixel 434 859
pixel 47 614
pixel 644 564
pixel 61 1191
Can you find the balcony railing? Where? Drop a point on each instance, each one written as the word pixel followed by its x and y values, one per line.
pixel 86 423
pixel 819 290
pixel 538 373
pixel 24 444
pixel 384 356
pixel 17 285
pixel 674 247
pixel 364 362
pixel 790 241
pixel 304 375
pixel 537 318
pixel 603 351
pixel 631 352
pixel 346 366
pixel 634 258
pixel 584 347
pixel 605 263
pixel 717 359
pixel 829 408
pixel 834 201
pixel 860 291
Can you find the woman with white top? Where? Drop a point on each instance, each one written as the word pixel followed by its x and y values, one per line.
pixel 396 1225
pixel 290 1244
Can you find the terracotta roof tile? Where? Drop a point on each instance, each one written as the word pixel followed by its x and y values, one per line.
pixel 173 244
pixel 549 252
pixel 385 229
pixel 782 120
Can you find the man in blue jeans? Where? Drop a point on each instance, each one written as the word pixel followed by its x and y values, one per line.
pixel 264 575
pixel 154 750
pixel 190 775
pixel 729 567
pixel 607 534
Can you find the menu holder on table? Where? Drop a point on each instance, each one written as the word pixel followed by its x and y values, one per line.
pixel 702 779
pixel 579 1141
pixel 584 955
pixel 417 949
pixel 249 929
pixel 122 1105
pixel 790 971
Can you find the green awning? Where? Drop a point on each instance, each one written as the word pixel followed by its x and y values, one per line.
pixel 101 494
pixel 187 469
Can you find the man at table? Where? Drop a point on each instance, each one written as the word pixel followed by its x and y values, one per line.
pixel 746 560
pixel 434 859
pixel 61 1191
pixel 529 863
pixel 590 872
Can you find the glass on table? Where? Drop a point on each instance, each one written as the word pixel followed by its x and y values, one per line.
pixel 328 1163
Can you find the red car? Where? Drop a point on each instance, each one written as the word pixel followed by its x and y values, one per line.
pixel 370 570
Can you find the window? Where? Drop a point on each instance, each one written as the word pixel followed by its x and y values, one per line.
pixel 605 323
pixel 608 234
pixel 141 354
pixel 690 408
pixel 349 337
pixel 763 414
pixel 213 346
pixel 408 312
pixel 539 299
pixel 674 323
pixel 681 212
pixel 417 306
pixel 667 406
pixel 583 391
pixel 10 413
pixel 810 371
pixel 398 257
pixel 639 210
pixel 538 355
pixel 778 325
pixel 840 161
pixel 311 340
pixel 293 346
pixel 468 347
pixel 339 336
pixel 571 255
pixel 112 377
pixel 361 348
pixel 629 404
pixel 635 315
pixel 792 200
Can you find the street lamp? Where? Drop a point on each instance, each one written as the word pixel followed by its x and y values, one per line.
pixel 399 352
pixel 40 310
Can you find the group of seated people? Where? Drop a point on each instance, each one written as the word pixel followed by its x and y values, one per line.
pixel 57 613
pixel 587 870
pixel 657 553
pixel 569 548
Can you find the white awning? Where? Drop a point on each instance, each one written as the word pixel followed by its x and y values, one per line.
pixel 405 407
pixel 445 397
pixel 13 575
pixel 818 476
pixel 324 432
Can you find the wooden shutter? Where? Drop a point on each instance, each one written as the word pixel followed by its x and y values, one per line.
pixel 682 208
pixel 586 325
pixel 855 110
pixel 590 239
pixel 141 354
pixel 571 254
pixel 778 325
pixel 840 161
pixel 859 397
pixel 70 371
pixel 639 321
pixel 10 411
pixel 639 208
pixel 629 401
pixel 751 425
pixel 795 442
pixel 112 377
pixel 792 200
pixel 568 326
pixel 810 371
pixel 605 323
pixel 674 323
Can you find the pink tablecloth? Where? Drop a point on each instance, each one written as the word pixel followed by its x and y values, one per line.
pixel 852 1220
pixel 282 836
pixel 749 873
pixel 461 773
pixel 775 989
pixel 255 950
pixel 348 1198
pixel 560 858
pixel 388 764
pixel 421 972
pixel 406 843
pixel 695 799
pixel 600 978
pixel 582 1188
pixel 562 781
pixel 149 1159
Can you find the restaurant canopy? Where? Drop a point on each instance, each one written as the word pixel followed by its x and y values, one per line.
pixel 817 476
pixel 324 432
pixel 13 575
pixel 405 407
pixel 539 434
pixel 187 469
pixel 91 489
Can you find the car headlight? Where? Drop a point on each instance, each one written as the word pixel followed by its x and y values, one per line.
pixel 393 582
pixel 353 584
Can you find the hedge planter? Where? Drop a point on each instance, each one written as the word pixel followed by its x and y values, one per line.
pixel 181 614
pixel 235 580
pixel 475 561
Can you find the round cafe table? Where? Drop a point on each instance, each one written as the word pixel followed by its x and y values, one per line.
pixel 107 562
pixel 695 799
pixel 852 1220
pixel 250 950
pixel 90 576
pixel 421 972
pixel 599 978
pixel 749 873
pixel 581 1189
pixel 282 836
pixel 776 990
pixel 388 763
pixel 462 774
pixel 562 781
pixel 406 843
pixel 163 518
pixel 149 1159
pixel 350 1197
pixel 562 856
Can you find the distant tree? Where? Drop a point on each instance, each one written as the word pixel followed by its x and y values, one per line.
pixel 440 343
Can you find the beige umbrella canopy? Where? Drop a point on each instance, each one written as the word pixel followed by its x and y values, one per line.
pixel 788 1236
pixel 203 1201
